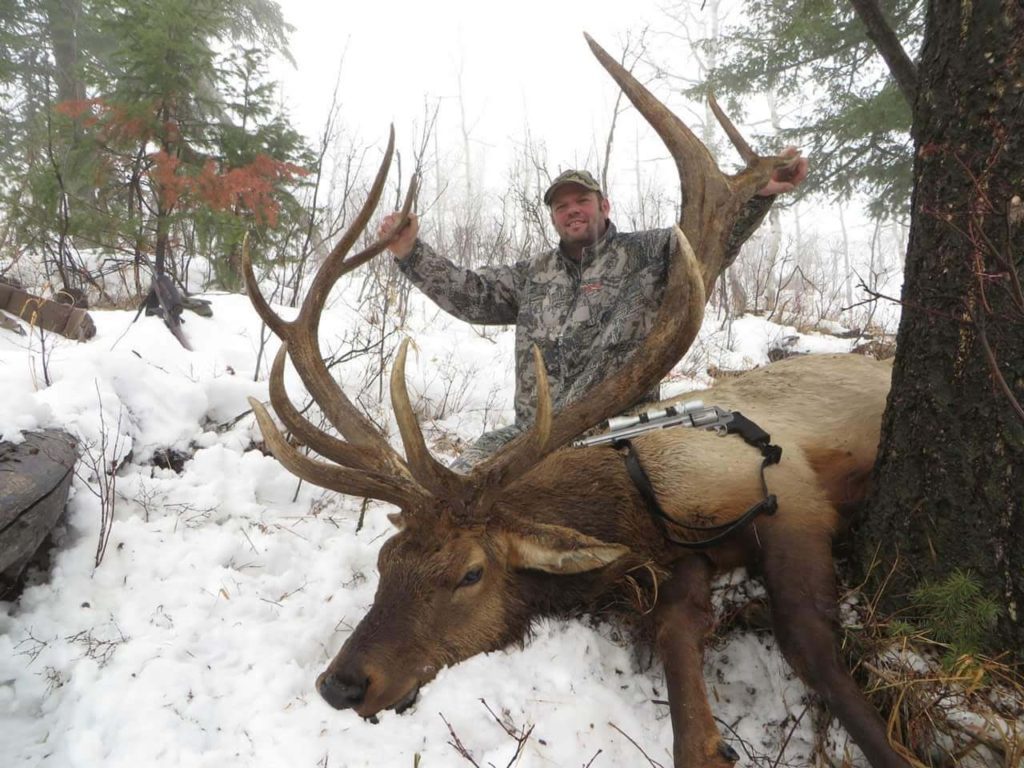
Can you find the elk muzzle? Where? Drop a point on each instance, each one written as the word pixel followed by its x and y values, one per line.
pixel 378 667
pixel 341 693
pixel 366 688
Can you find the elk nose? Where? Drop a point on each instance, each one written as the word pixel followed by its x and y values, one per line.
pixel 341 693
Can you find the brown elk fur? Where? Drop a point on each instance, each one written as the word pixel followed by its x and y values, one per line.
pixel 824 411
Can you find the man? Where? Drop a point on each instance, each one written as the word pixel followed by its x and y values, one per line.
pixel 587 304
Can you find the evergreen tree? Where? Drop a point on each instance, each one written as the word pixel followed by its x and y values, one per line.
pixel 815 58
pixel 258 151
pixel 30 163
pixel 949 490
pixel 169 131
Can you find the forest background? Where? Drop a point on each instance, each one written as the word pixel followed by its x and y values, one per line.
pixel 156 135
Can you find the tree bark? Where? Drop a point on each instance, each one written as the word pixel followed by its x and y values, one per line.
pixel 950 473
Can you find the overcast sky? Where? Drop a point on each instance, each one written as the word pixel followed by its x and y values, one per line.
pixel 518 62
pixel 523 66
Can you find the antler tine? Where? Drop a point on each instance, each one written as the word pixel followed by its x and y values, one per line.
pixel 336 407
pixel 436 477
pixel 749 155
pixel 335 266
pixel 542 419
pixel 696 167
pixel 365 255
pixel 759 168
pixel 327 445
pixel 518 456
pixel 260 304
pixel 675 327
pixel 711 200
pixel 355 482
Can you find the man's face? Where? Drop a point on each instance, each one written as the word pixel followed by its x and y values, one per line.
pixel 578 214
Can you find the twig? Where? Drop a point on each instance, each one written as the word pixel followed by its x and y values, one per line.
pixel 993 365
pixel 631 741
pixel 521 736
pixel 789 736
pixel 456 742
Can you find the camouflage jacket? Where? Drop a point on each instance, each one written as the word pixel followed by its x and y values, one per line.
pixel 586 317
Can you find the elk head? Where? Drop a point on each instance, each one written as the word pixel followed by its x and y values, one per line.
pixel 452 579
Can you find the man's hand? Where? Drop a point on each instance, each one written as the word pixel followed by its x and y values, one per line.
pixel 405 239
pixel 787 178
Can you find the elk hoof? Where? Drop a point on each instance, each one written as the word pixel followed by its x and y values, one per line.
pixel 727 752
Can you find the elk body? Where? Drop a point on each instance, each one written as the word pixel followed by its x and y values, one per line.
pixel 540 529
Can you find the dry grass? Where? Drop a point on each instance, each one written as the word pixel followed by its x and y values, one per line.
pixel 965 714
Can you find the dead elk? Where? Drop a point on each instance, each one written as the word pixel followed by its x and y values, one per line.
pixel 540 529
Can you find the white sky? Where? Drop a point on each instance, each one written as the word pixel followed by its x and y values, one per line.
pixel 524 68
pixel 518 62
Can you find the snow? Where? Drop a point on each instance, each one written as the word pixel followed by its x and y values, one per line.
pixel 227 588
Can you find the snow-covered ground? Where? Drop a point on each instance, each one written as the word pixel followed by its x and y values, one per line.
pixel 226 588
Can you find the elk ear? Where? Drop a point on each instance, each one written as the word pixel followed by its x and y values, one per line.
pixel 556 549
pixel 397 519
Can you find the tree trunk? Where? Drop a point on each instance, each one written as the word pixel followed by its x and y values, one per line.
pixel 62 22
pixel 950 473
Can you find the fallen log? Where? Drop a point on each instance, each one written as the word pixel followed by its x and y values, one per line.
pixel 67 320
pixel 35 476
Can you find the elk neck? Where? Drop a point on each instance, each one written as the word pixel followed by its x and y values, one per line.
pixel 589 491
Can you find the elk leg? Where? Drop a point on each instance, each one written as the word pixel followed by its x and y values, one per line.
pixel 801 584
pixel 683 619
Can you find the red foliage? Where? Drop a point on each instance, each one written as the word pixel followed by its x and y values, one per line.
pixel 83 110
pixel 170 185
pixel 251 186
pixel 129 126
pixel 114 122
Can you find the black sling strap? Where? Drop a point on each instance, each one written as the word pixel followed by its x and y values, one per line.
pixel 752 435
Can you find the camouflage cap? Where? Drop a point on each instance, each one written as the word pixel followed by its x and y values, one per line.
pixel 583 178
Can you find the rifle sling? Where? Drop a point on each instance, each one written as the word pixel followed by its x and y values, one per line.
pixel 752 435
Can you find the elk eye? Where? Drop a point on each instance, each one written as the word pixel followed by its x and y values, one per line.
pixel 472 577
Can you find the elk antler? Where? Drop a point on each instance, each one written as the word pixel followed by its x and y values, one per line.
pixel 711 200
pixel 366 465
pixel 364 462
